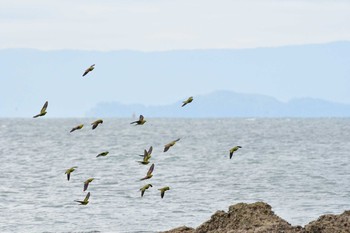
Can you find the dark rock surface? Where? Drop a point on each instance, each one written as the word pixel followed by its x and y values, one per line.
pixel 259 218
pixel 330 223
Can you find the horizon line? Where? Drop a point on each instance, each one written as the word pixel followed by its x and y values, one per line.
pixel 177 50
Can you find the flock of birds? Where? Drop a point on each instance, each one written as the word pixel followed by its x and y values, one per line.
pixel 146 156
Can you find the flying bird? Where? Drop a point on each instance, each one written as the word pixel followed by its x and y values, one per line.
pixel 43 110
pixel 91 68
pixel 143 189
pixel 87 182
pixel 233 150
pixel 146 156
pixel 162 191
pixel 189 100
pixel 96 123
pixel 170 144
pixel 140 121
pixel 105 153
pixel 69 171
pixel 77 127
pixel 85 201
pixel 149 173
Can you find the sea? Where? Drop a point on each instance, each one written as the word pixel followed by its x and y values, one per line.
pixel 301 167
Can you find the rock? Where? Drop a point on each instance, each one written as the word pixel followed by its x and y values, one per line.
pixel 182 229
pixel 330 223
pixel 259 218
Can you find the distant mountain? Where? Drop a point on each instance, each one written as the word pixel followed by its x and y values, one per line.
pixel 227 104
pixel 30 77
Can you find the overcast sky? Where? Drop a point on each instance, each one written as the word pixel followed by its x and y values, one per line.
pixel 170 24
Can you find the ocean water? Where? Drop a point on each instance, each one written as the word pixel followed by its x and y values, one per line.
pixel 301 167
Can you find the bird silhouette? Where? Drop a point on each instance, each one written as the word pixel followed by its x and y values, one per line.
pixel 42 111
pixel 162 191
pixel 69 171
pixel 85 201
pixel 189 100
pixel 91 68
pixel 96 123
pixel 140 121
pixel 87 182
pixel 77 128
pixel 233 150
pixel 170 144
pixel 149 173
pixel 143 189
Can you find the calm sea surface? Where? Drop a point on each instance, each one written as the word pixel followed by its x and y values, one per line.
pixel 301 167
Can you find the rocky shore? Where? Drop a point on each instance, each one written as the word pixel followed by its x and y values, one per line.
pixel 259 218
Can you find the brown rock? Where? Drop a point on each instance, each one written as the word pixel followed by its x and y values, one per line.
pixel 330 223
pixel 182 229
pixel 243 218
pixel 259 218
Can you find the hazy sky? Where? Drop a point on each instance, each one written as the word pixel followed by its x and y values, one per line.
pixel 170 24
pixel 153 25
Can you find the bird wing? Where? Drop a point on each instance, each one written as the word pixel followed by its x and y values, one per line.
pixel 166 147
pixel 68 176
pixel 87 197
pixel 150 170
pixel 150 150
pixel 86 72
pixel 142 192
pixel 43 109
pixel 162 193
pixel 94 125
pixel 141 118
pixel 145 156
pixel 231 153
pixel 86 185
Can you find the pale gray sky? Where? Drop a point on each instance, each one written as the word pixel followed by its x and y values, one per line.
pixel 167 25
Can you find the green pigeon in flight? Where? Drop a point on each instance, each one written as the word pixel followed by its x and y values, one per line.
pixel 140 121
pixel 149 173
pixel 170 144
pixel 42 111
pixel 233 150
pixel 189 100
pixel 146 156
pixel 85 201
pixel 105 153
pixel 69 171
pixel 143 189
pixel 91 68
pixel 162 191
pixel 96 123
pixel 87 182
pixel 77 128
